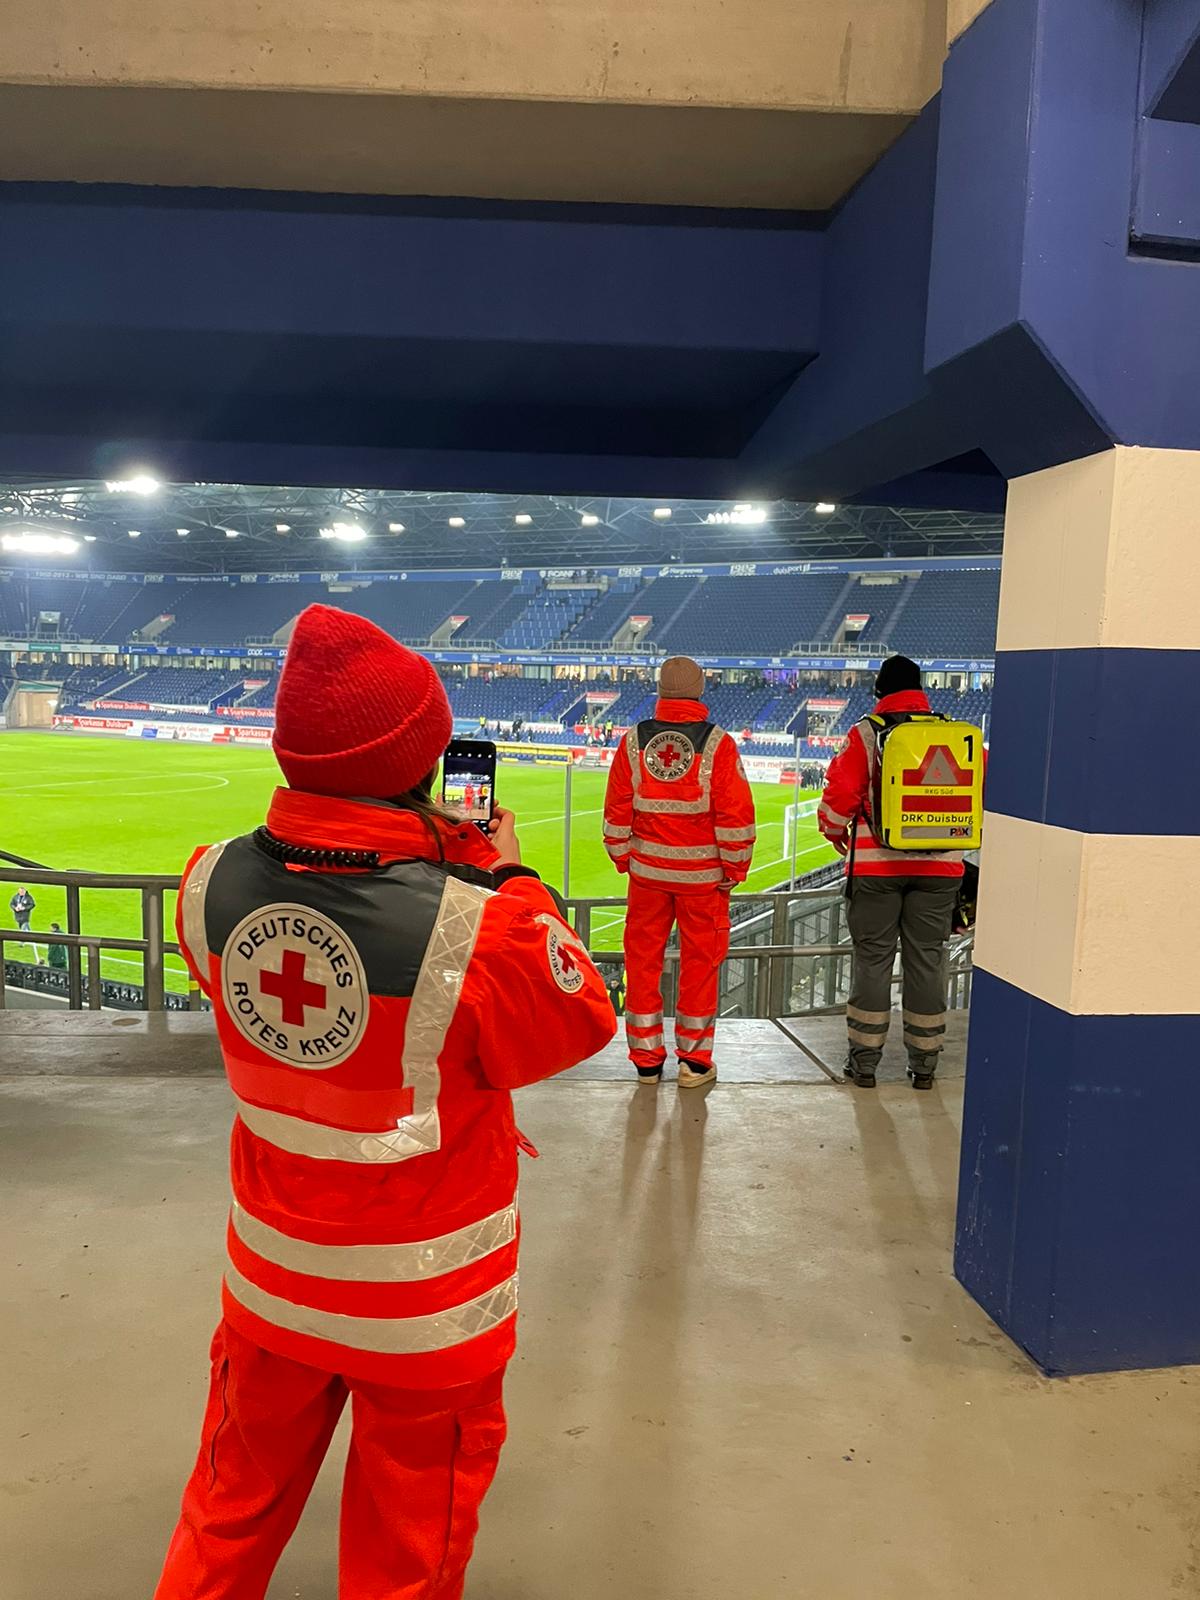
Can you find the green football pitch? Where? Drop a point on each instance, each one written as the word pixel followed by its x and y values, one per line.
pixel 97 804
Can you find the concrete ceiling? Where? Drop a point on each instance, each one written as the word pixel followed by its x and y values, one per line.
pixel 409 145
pixel 764 103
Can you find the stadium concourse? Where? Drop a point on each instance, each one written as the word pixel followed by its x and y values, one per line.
pixel 777 1324
pixel 558 339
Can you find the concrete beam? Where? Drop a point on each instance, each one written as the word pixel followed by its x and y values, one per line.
pixel 679 103
pixel 354 143
pixel 816 54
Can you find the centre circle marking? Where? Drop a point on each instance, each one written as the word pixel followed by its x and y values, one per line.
pixel 669 756
pixel 294 986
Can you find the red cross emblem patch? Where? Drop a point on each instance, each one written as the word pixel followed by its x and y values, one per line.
pixel 566 956
pixel 293 985
pixel 669 756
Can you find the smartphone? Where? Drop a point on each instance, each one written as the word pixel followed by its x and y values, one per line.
pixel 469 779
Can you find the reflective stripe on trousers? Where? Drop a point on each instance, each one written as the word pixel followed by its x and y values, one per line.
pixel 703 921
pixel 913 913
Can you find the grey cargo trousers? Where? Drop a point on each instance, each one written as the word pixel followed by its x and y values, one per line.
pixel 917 913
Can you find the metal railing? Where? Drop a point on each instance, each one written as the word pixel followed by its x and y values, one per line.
pixel 789 955
pixel 153 946
pixel 789 950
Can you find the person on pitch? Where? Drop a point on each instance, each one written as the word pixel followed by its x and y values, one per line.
pixel 679 820
pixel 382 976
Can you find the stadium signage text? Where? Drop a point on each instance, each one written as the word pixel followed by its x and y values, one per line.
pixel 720 569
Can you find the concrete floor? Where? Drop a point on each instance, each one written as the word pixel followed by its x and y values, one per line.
pixel 746 1372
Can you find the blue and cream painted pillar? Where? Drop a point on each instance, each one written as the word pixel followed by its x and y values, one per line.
pixel 1079 1204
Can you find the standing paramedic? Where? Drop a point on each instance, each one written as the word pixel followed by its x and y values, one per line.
pixel 679 819
pixel 904 896
pixel 382 976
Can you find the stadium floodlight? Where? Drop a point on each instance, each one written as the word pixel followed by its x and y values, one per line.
pixel 283 527
pixel 824 508
pixel 395 527
pixel 89 538
pixel 742 516
pixel 345 532
pixel 135 533
pixel 231 533
pixel 589 519
pixel 140 483
pixel 457 522
pixel 662 512
pixel 522 519
pixel 182 532
pixel 40 544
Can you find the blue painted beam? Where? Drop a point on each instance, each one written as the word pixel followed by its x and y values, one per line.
pixel 1171 61
pixel 238 337
pixel 863 411
pixel 151 260
pixel 1041 319
pixel 1166 208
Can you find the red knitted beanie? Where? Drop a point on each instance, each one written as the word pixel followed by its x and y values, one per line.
pixel 357 713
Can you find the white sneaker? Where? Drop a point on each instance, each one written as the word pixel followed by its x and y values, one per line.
pixel 691 1077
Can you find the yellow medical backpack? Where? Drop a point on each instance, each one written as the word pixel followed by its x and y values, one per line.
pixel 928 782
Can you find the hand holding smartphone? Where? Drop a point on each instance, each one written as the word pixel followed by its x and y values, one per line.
pixel 469 780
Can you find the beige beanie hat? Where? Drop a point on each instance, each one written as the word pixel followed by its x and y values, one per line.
pixel 681 678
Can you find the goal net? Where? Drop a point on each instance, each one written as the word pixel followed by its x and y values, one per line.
pixel 798 827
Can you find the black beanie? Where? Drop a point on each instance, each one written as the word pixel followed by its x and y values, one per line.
pixel 897 674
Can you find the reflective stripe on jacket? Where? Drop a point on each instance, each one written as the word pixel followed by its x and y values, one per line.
pixel 679 813
pixel 849 784
pixel 372 1024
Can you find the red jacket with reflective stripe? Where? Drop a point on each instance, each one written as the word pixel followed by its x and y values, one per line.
pixel 847 795
pixel 679 813
pixel 372 1023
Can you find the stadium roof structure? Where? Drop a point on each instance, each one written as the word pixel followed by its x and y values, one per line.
pixel 215 527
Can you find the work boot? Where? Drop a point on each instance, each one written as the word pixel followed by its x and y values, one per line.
pixel 861 1074
pixel 694 1073
pixel 921 1070
pixel 650 1075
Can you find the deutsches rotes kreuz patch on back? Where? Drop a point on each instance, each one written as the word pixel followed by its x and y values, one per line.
pixel 294 985
pixel 669 756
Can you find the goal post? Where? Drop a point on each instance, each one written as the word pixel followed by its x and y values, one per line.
pixel 795 816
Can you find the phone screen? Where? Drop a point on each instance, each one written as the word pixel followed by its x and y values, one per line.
pixel 469 780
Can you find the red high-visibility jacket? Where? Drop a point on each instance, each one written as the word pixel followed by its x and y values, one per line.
pixel 372 1022
pixel 679 813
pixel 848 787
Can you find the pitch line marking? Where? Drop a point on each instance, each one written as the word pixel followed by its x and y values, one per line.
pixel 216 780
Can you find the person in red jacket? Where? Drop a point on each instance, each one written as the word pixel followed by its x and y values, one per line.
pixel 895 896
pixel 679 820
pixel 382 977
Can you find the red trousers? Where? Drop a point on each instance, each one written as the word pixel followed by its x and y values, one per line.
pixel 703 921
pixel 419 1466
